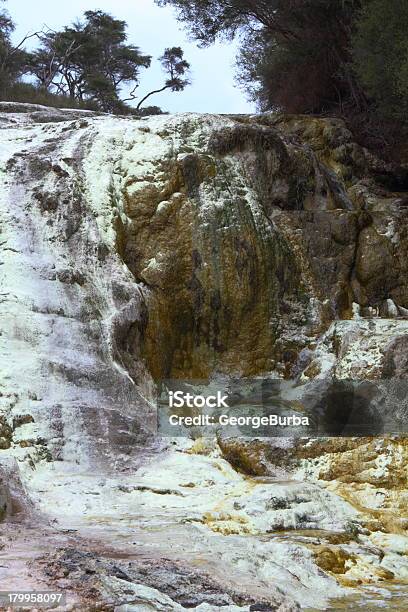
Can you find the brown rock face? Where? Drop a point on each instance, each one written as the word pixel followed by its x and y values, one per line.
pixel 250 235
pixel 216 270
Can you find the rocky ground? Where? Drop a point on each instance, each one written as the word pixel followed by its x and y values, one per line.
pixel 194 246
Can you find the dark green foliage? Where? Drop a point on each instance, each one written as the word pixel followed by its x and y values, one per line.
pixel 380 55
pixel 175 67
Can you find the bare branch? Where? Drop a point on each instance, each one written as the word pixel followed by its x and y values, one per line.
pixel 28 37
pixel 132 94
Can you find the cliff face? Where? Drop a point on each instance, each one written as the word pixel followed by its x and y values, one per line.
pixel 188 247
pixel 193 232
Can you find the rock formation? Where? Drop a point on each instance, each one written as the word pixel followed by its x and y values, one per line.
pixel 193 247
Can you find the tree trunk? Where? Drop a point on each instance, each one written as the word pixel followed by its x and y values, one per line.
pixel 151 94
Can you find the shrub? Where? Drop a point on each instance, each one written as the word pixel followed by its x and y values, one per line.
pixel 26 92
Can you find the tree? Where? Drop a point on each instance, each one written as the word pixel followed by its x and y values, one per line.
pixel 51 63
pixel 6 27
pixel 176 69
pixel 295 53
pixel 12 59
pixel 380 55
pixel 89 60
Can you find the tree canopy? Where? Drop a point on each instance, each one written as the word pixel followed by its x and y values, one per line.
pixel 89 59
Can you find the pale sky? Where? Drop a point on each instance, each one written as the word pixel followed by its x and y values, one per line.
pixel 152 29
